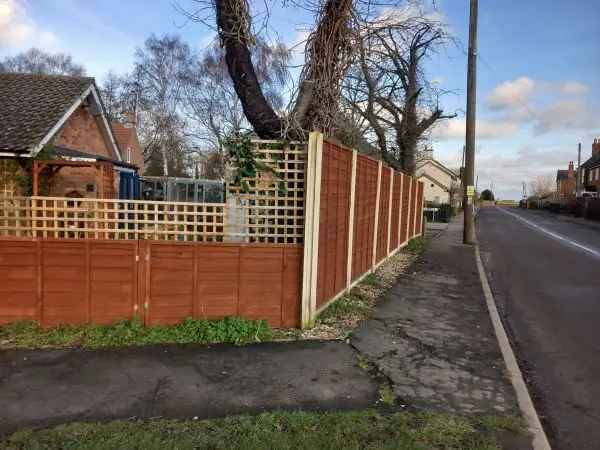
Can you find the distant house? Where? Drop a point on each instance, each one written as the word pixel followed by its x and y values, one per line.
pixel 590 169
pixel 442 185
pixel 566 182
pixel 60 123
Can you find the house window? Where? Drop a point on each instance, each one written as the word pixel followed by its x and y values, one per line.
pixel 129 155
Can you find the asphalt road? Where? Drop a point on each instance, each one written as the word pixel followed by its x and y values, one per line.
pixel 545 275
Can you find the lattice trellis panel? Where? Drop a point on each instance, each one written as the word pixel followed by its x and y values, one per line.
pixel 273 206
pixel 80 218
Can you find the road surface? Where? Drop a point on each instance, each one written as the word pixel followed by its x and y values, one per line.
pixel 545 275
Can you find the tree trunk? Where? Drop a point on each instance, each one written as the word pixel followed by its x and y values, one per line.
pixel 163 151
pixel 233 22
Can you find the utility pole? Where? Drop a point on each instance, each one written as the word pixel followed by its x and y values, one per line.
pixel 578 176
pixel 469 213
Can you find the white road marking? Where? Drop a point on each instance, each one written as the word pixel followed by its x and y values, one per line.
pixel 560 237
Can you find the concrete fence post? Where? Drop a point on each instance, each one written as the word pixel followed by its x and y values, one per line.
pixel 374 258
pixel 312 204
pixel 351 219
pixel 410 199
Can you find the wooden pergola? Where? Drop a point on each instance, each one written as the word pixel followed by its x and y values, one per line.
pixel 103 169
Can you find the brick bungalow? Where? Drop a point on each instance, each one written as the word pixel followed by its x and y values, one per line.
pixel 59 122
pixel 590 170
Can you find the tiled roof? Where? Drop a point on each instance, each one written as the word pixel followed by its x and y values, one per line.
pixel 123 134
pixel 30 105
pixel 562 175
pixel 593 161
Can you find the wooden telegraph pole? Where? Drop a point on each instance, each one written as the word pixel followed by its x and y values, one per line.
pixel 469 188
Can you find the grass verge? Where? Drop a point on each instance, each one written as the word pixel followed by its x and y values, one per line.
pixel 280 430
pixel 232 330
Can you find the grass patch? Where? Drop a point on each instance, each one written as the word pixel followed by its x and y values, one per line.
pixel 386 395
pixel 416 245
pixel 348 305
pixel 232 330
pixel 281 430
pixel 370 280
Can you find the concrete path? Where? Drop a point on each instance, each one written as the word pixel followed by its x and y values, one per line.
pixel 433 337
pixel 48 387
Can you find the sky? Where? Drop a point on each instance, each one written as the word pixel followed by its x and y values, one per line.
pixel 538 80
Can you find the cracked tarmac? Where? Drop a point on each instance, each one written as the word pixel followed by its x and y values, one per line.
pixel 433 339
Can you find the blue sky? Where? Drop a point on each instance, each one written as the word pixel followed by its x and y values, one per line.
pixel 538 69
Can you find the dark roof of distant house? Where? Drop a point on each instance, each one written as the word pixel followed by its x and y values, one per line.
pixel 30 105
pixel 593 161
pixel 562 175
pixel 72 153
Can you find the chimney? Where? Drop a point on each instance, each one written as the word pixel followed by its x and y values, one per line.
pixel 596 147
pixel 130 119
pixel 571 170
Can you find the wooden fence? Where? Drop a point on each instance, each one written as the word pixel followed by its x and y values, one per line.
pixel 358 213
pixel 281 248
pixel 60 281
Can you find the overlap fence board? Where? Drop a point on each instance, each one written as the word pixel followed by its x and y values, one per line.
pixel 364 215
pixel 413 208
pixel 384 211
pixel 396 199
pixel 419 216
pixel 333 221
pixel 60 281
pixel 19 271
pixel 405 207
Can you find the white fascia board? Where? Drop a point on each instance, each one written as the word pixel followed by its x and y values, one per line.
pixel 106 124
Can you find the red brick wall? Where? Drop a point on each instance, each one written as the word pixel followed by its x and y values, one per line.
pixel 70 179
pixel 81 132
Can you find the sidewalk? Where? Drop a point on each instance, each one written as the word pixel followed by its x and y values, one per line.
pixel 433 337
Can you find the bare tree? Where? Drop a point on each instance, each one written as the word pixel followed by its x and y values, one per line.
pixel 211 103
pixel 37 61
pixel 158 82
pixel 542 186
pixel 327 54
pixel 387 84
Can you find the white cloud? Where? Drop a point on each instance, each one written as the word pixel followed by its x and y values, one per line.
pixel 573 88
pixel 565 115
pixel 18 30
pixel 511 94
pixel 454 129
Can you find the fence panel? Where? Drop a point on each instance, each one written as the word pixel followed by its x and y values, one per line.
pixel 19 274
pixel 413 208
pixel 404 209
pixel 384 211
pixel 419 214
pixel 364 215
pixel 396 199
pixel 68 281
pixel 333 221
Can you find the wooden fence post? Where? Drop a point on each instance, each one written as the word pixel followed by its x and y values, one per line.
pixel 389 227
pixel 374 258
pixel 351 220
pixel 312 206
